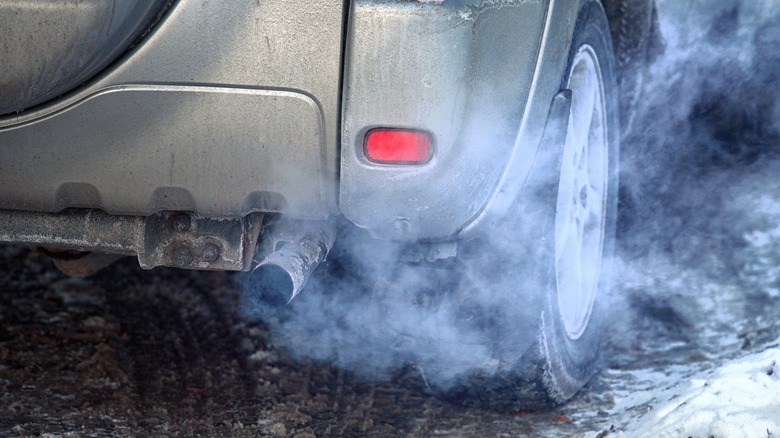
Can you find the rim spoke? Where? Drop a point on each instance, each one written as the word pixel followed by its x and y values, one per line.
pixel 571 269
pixel 595 201
pixel 581 216
pixel 582 112
pixel 563 233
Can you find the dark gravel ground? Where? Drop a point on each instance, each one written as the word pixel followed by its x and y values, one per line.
pixel 129 352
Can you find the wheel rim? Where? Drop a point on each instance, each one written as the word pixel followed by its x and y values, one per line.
pixel 580 215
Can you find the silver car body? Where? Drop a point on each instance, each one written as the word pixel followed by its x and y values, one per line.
pixel 226 108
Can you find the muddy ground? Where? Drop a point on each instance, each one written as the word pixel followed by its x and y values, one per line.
pixel 129 353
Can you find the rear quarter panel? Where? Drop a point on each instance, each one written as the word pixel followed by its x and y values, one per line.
pixel 478 75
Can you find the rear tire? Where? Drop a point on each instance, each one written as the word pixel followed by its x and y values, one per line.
pixel 555 248
pixel 637 41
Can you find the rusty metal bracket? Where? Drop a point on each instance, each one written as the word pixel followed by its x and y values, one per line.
pixel 177 239
pixel 185 240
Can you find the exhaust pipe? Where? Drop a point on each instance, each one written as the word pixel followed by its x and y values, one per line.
pixel 298 248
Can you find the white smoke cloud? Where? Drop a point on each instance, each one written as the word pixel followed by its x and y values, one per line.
pixel 707 122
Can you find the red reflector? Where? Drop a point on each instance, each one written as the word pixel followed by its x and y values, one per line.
pixel 398 147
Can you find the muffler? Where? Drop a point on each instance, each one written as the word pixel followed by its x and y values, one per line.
pixel 298 248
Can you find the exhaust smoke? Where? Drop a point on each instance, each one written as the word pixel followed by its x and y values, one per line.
pixel 698 168
pixel 698 181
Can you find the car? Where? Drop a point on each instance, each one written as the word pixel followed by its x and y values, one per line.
pixel 481 135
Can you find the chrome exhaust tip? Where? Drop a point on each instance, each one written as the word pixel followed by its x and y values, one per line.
pixel 299 247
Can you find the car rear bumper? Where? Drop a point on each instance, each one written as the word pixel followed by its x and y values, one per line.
pixel 225 108
pixel 146 148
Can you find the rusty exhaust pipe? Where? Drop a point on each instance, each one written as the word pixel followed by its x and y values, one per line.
pixel 298 248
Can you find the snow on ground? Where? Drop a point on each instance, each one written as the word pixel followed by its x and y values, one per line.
pixel 740 398
pixel 713 372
